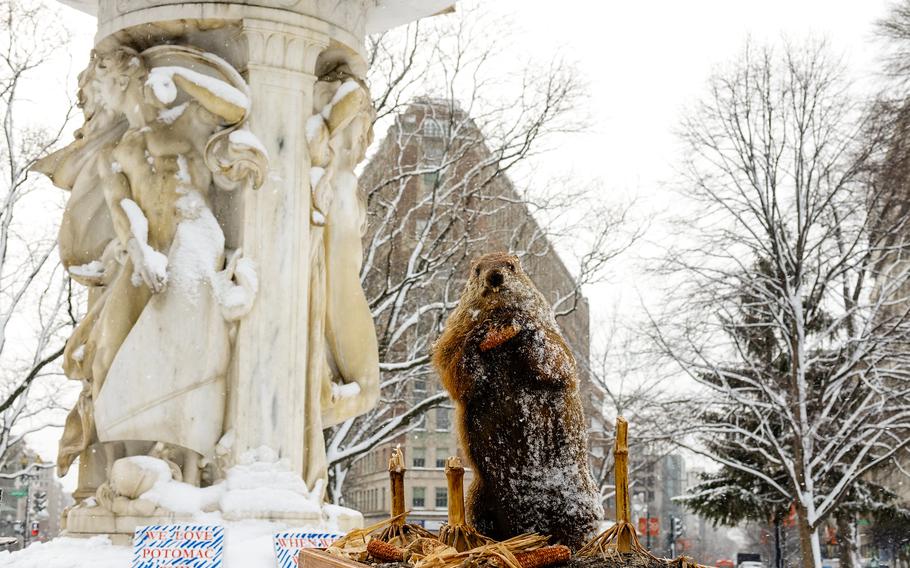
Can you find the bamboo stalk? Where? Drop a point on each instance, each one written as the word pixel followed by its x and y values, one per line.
pixel 623 503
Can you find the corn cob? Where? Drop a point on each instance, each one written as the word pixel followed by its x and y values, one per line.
pixel 497 336
pixel 543 557
pixel 384 551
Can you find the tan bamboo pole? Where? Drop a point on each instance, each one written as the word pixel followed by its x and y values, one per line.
pixel 455 478
pixel 396 480
pixel 623 504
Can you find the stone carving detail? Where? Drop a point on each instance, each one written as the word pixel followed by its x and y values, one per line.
pixel 283 47
pixel 344 364
pixel 164 129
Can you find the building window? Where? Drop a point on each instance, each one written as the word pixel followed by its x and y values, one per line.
pixel 422 423
pixel 430 179
pixel 433 152
pixel 442 420
pixel 419 457
pixel 420 385
pixel 419 497
pixel 419 226
pixel 441 455
pixel 433 128
pixel 442 497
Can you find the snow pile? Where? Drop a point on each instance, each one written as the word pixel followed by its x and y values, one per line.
pixel 93 269
pixel 170 115
pixel 155 262
pixel 236 299
pixel 157 468
pixel 79 353
pixel 184 498
pixel 348 86
pixel 314 127
pixel 347 390
pixel 198 245
pixel 63 552
pixel 247 544
pixel 260 484
pixel 263 483
pixel 245 138
pixel 161 80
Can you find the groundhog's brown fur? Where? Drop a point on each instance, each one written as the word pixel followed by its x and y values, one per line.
pixel 519 415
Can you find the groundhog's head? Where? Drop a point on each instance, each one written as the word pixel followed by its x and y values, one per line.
pixel 497 282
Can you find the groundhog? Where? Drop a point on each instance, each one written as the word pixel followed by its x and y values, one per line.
pixel 505 364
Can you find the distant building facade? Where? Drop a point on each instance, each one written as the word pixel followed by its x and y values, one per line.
pixel 33 502
pixel 655 482
pixel 444 143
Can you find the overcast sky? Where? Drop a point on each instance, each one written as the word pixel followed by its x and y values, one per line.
pixel 643 61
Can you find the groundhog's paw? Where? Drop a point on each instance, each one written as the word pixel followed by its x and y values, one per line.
pixel 498 335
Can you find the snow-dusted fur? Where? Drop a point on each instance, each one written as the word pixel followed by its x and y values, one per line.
pixel 514 383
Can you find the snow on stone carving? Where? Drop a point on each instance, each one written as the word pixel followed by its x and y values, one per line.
pixel 154 348
pixel 341 325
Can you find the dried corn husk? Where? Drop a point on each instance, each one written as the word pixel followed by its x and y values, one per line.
pixel 423 547
pixel 496 554
pixel 353 545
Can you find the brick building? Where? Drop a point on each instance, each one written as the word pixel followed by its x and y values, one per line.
pixel 434 182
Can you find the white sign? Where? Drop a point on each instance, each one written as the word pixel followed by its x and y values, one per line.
pixel 289 543
pixel 163 546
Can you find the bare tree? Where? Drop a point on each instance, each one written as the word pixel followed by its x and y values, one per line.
pixel 35 299
pixel 623 369
pixel 792 312
pixel 439 191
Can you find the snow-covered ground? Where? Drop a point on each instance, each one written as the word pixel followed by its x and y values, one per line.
pixel 259 482
pixel 247 544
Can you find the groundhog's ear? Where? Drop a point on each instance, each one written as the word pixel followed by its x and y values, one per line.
pixel 498 335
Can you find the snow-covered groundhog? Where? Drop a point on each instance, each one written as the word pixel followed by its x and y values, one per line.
pixel 514 383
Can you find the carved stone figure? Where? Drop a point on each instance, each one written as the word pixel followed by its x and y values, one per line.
pixel 163 129
pixel 344 363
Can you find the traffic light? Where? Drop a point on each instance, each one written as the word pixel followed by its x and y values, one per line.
pixel 39 502
pixel 676 527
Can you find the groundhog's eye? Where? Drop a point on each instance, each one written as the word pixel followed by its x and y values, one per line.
pixel 511 266
pixel 477 271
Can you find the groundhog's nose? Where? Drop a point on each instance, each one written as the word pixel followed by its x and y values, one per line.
pixel 495 278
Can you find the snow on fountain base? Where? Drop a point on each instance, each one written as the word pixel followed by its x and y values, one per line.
pixel 259 497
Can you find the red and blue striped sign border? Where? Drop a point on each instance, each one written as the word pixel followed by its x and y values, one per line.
pixel 289 543
pixel 194 546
